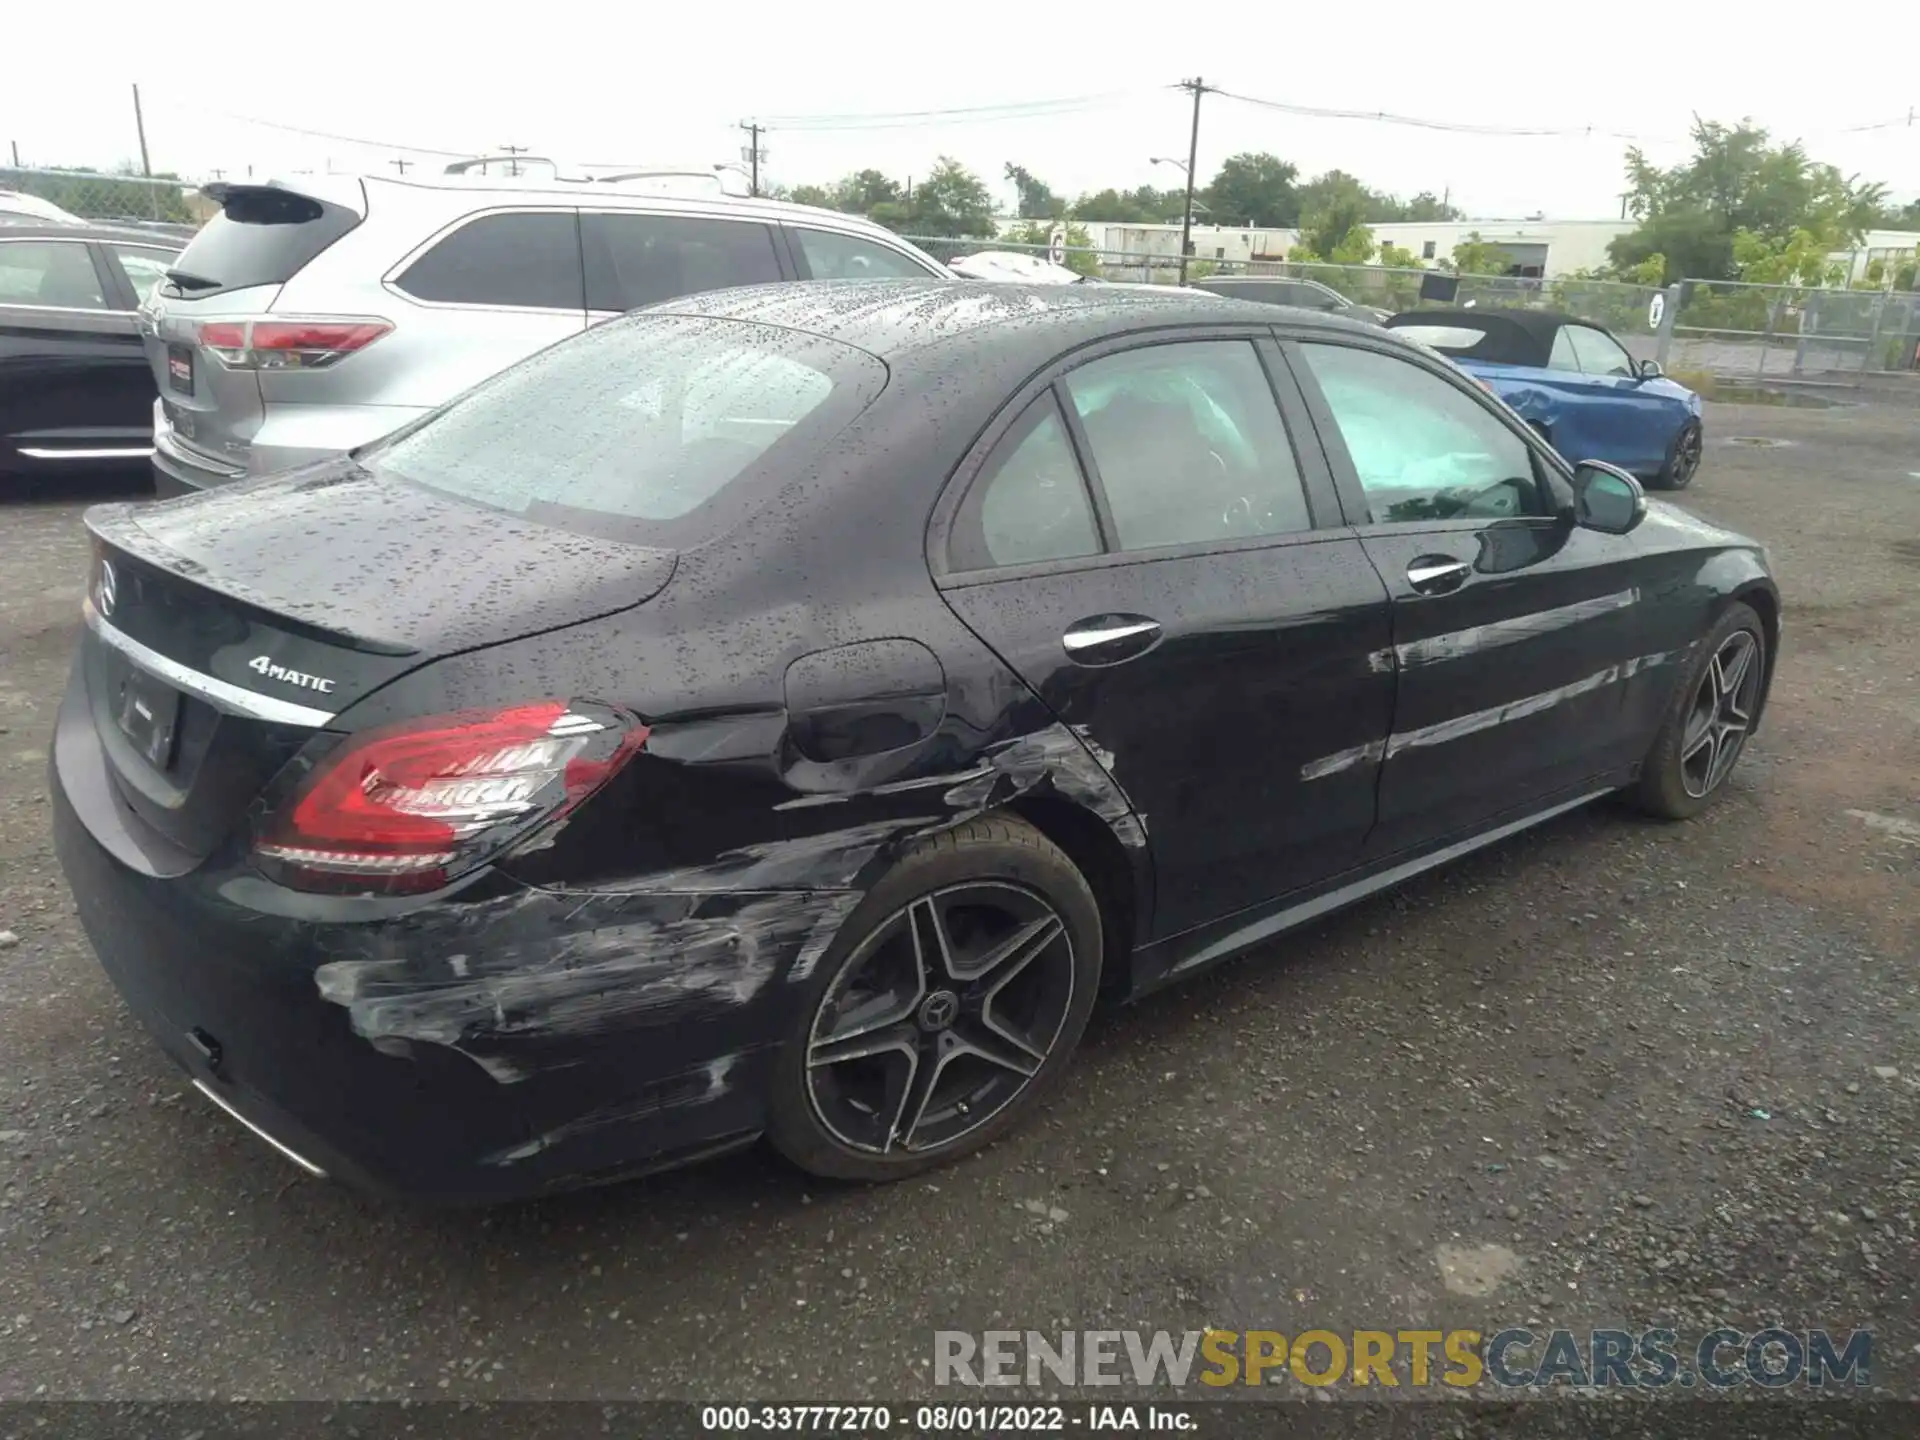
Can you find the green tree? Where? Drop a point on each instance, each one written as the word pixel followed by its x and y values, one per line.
pixel 950 201
pixel 1036 198
pixel 1143 205
pixel 816 195
pixel 1474 256
pixel 1254 188
pixel 864 190
pixel 1398 257
pixel 1737 181
pixel 1334 223
pixel 1426 206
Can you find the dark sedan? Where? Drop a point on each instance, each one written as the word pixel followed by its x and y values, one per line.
pixel 784 710
pixel 75 388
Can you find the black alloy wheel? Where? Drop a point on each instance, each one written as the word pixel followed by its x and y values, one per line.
pixel 951 1001
pixel 1712 712
pixel 1683 458
pixel 1721 713
pixel 941 1018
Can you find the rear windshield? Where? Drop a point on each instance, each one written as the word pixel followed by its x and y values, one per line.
pixel 262 236
pixel 1443 337
pixel 659 429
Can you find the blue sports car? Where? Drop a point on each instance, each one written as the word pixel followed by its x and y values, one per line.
pixel 1575 384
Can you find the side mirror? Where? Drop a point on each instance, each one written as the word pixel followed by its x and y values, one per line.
pixel 1606 498
pixel 1650 370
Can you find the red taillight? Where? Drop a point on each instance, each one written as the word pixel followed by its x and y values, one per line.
pixel 408 808
pixel 288 344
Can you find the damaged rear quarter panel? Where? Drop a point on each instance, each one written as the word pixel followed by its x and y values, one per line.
pixel 627 989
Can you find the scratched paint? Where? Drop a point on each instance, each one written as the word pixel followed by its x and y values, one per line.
pixel 701 1085
pixel 1478 639
pixel 1375 751
pixel 555 969
pixel 1068 761
pixel 1478 720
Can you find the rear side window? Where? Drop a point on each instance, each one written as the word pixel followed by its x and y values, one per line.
pixel 833 256
pixel 525 260
pixel 637 259
pixel 1189 444
pixel 1030 501
pixel 262 236
pixel 660 429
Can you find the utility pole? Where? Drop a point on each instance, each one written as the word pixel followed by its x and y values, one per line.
pixel 140 124
pixel 513 165
pixel 752 154
pixel 1199 88
pixel 400 163
pixel 219 174
pixel 16 153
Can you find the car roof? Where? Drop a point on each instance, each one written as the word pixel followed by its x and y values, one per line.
pixel 900 319
pixel 613 195
pixel 1509 336
pixel 159 239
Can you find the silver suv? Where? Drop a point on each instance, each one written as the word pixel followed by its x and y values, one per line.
pixel 307 318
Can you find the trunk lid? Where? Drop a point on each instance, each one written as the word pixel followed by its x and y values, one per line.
pixel 224 629
pixel 233 269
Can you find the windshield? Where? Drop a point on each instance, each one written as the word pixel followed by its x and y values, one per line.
pixel 661 429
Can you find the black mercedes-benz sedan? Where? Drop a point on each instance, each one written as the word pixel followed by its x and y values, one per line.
pixel 784 711
pixel 76 392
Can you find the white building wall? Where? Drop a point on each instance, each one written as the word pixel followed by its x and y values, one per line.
pixel 1568 244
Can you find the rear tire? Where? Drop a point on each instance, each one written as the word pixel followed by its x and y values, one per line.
pixel 1683 459
pixel 946 1009
pixel 1707 721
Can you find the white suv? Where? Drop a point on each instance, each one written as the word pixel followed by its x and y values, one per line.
pixel 307 318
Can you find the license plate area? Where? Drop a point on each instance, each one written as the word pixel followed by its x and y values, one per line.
pixel 148 711
pixel 180 368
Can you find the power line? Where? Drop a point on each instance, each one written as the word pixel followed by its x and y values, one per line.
pixel 966 114
pixel 1387 117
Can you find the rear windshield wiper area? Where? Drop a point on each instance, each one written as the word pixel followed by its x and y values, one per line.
pixel 186 280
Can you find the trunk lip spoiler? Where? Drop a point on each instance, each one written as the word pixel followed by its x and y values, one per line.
pixel 223 696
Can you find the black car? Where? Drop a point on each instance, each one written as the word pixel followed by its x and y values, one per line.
pixel 75 387
pixel 1291 290
pixel 783 711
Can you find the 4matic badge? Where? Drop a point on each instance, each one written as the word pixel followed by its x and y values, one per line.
pixel 261 665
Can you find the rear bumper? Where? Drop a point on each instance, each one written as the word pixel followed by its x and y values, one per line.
pixel 502 1043
pixel 290 436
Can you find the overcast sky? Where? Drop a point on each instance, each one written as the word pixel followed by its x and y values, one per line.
pixel 666 83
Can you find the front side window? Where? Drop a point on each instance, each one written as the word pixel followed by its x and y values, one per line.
pixel 640 259
pixel 524 260
pixel 834 256
pixel 1189 444
pixel 1424 449
pixel 1029 502
pixel 1563 356
pixel 1600 354
pixel 57 274
pixel 642 428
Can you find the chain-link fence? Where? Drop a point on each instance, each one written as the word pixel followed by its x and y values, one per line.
pixel 1729 329
pixel 29 196
pixel 1762 332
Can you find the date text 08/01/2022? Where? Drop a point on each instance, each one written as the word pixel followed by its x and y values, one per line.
pixel 944 1419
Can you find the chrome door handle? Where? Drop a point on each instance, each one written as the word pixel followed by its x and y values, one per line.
pixel 1083 638
pixel 1437 573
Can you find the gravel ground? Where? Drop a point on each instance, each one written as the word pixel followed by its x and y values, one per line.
pixel 1613 1073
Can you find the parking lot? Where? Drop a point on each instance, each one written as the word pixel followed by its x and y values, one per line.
pixel 1612 1072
